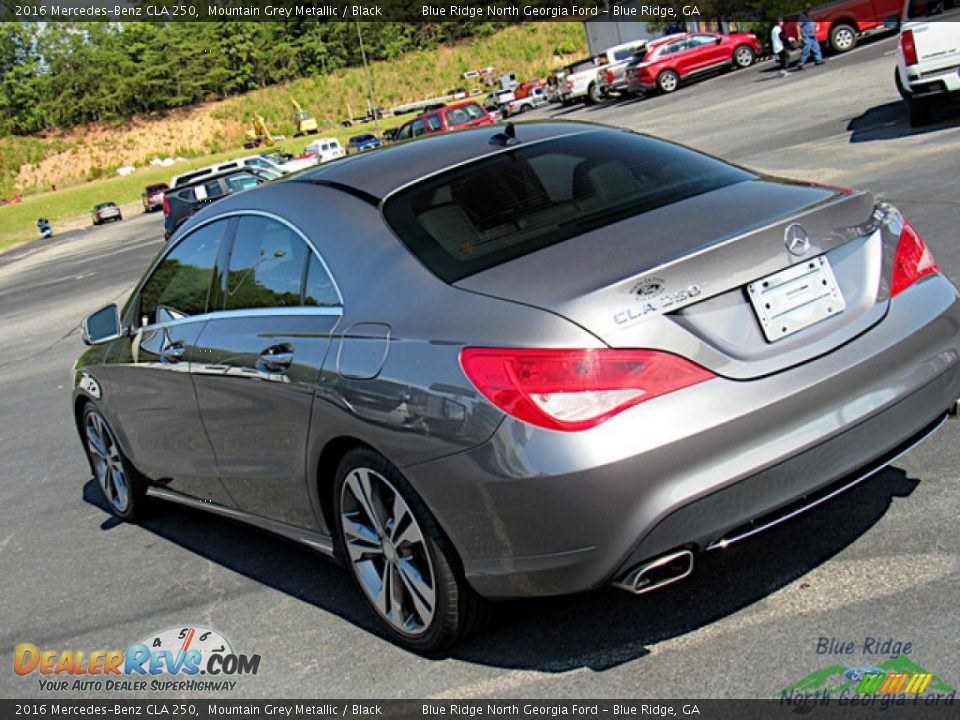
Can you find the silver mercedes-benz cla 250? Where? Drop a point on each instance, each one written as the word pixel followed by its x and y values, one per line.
pixel 519 361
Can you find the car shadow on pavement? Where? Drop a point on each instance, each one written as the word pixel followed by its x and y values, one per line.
pixel 890 121
pixel 597 630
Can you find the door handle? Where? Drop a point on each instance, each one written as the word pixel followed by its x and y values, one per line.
pixel 276 358
pixel 173 352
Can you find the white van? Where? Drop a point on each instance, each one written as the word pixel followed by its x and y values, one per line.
pixel 325 149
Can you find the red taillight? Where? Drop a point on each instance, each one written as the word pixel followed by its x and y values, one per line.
pixel 609 77
pixel 912 262
pixel 166 205
pixel 575 389
pixel 909 47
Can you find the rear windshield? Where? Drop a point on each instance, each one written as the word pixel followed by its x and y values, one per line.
pixel 493 210
pixel 464 114
pixel 931 8
pixel 154 188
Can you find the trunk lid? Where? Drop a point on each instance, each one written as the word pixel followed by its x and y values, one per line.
pixel 675 278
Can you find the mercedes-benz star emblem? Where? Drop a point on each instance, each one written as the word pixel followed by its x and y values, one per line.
pixel 796 239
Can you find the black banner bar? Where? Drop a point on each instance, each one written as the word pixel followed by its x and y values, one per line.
pixel 812 705
pixel 663 11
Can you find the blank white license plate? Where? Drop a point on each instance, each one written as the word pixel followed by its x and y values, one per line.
pixel 793 299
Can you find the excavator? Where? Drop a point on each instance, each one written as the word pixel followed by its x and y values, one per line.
pixel 259 134
pixel 305 123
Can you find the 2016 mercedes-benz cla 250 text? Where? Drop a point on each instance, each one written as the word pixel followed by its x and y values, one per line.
pixel 519 361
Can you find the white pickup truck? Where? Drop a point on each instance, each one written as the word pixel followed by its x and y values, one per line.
pixel 581 83
pixel 928 56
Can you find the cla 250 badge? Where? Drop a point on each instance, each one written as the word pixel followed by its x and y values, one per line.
pixel 652 299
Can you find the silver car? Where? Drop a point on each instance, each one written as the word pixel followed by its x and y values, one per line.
pixel 519 361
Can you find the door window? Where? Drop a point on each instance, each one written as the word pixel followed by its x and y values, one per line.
pixel 267 265
pixel 180 284
pixel 418 128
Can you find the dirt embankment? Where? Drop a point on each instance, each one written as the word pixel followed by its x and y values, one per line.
pixel 92 150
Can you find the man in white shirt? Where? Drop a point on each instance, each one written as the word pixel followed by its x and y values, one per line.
pixel 778 46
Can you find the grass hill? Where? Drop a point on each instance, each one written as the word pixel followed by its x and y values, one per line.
pixel 81 162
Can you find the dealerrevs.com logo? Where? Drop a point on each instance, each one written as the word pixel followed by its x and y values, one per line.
pixel 180 659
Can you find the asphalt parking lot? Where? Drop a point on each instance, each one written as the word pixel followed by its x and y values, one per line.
pixel 881 562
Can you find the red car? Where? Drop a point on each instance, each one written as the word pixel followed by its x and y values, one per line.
pixel 839 24
pixel 676 58
pixel 452 117
pixel 152 196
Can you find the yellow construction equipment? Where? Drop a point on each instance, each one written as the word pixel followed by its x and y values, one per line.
pixel 259 134
pixel 305 124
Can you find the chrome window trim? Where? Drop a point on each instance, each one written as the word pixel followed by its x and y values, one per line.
pixel 292 311
pixel 249 312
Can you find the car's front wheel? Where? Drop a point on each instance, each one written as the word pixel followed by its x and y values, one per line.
pixel 843 38
pixel 406 569
pixel 668 81
pixel 122 486
pixel 744 56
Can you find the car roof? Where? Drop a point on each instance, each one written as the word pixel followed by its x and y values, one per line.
pixel 207 177
pixel 376 175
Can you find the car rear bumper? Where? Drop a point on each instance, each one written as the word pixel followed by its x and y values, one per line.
pixel 537 512
pixel 935 83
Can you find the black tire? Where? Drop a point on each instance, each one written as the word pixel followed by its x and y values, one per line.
pixel 566 102
pixel 594 94
pixel 899 83
pixel 921 111
pixel 843 38
pixel 135 501
pixel 743 56
pixel 458 611
pixel 524 108
pixel 119 217
pixel 668 81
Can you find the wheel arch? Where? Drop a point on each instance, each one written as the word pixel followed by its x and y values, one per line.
pixel 326 467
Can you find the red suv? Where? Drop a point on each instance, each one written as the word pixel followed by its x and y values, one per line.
pixel 671 60
pixel 452 117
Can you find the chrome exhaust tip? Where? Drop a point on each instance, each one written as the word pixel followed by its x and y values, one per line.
pixel 657 573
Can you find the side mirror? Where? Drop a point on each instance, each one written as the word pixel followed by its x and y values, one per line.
pixel 892 22
pixel 102 326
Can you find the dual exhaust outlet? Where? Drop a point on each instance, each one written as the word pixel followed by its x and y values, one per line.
pixel 657 573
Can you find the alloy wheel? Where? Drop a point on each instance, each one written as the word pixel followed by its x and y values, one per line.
pixel 668 82
pixel 843 39
pixel 387 551
pixel 107 462
pixel 744 57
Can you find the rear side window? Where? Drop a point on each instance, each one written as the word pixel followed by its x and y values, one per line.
pixel 434 122
pixel 490 211
pixel 180 284
pixel 267 265
pixel 236 183
pixel 418 129
pixel 931 8
pixel 213 189
pixel 319 290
